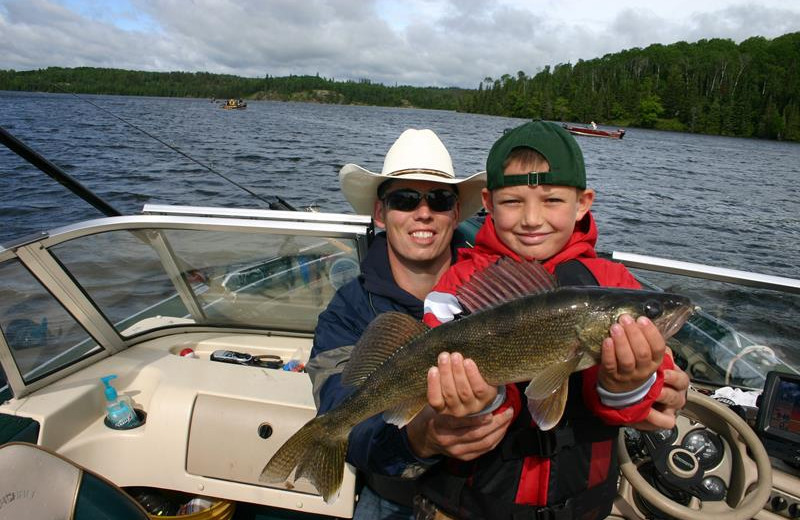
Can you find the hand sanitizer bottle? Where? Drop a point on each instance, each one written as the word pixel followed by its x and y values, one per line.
pixel 121 415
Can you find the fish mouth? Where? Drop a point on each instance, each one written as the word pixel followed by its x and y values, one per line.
pixel 676 321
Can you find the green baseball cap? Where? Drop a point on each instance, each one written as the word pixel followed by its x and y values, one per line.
pixel 549 139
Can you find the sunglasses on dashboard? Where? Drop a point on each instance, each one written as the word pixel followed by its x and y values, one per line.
pixel 407 199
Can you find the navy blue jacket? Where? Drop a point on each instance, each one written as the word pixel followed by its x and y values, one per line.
pixel 374 445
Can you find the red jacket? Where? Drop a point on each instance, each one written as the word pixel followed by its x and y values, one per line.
pixel 536 479
pixel 488 249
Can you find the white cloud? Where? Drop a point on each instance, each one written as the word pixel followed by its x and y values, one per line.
pixel 421 42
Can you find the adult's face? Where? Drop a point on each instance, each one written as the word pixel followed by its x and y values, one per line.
pixel 420 237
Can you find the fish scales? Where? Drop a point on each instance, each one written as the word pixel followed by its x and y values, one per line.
pixel 508 343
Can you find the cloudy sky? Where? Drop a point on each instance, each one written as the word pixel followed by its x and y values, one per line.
pixel 415 42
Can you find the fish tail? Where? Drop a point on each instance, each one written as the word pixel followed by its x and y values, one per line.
pixel 317 455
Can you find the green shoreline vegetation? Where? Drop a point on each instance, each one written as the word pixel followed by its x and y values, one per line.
pixel 717 87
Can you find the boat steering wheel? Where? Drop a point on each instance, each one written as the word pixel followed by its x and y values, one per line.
pixel 751 472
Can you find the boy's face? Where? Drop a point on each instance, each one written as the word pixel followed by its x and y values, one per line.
pixel 420 235
pixel 536 221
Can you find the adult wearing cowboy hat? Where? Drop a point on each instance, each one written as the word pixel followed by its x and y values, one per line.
pixel 418 201
pixel 416 164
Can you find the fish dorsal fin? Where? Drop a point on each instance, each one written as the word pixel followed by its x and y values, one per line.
pixel 381 339
pixel 503 281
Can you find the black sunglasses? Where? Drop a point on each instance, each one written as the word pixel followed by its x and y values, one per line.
pixel 407 199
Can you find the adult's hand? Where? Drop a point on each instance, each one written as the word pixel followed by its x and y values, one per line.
pixel 632 353
pixel 672 398
pixel 456 390
pixel 464 438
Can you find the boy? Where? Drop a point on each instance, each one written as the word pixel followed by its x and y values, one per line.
pixel 538 207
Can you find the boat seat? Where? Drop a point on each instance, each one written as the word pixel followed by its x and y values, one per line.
pixel 37 484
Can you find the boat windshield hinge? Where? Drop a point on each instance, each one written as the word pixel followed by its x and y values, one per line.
pixel 24 241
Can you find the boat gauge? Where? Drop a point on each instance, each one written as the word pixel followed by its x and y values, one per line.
pixel 663 437
pixel 714 488
pixel 706 446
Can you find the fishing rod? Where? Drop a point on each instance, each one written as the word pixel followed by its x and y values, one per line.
pixel 56 173
pixel 280 204
pixel 63 178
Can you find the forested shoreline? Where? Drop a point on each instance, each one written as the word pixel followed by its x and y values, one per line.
pixel 90 80
pixel 711 86
pixel 750 89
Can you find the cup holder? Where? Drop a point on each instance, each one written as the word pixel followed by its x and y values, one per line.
pixel 140 414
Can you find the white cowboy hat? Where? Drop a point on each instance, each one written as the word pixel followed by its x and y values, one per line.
pixel 416 155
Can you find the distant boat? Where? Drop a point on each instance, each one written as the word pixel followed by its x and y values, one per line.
pixel 233 104
pixel 593 131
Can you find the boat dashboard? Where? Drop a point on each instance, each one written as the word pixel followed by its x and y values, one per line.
pixel 206 316
pixel 721 458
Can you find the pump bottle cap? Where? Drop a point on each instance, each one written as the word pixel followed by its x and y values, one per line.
pixel 110 391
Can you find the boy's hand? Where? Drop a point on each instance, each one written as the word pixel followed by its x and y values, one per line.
pixel 631 355
pixel 456 390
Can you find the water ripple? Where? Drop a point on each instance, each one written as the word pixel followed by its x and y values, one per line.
pixel 696 198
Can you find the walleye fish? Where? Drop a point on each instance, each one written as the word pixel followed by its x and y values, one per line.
pixel 521 327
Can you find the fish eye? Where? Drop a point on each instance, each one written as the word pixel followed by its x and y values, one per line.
pixel 652 309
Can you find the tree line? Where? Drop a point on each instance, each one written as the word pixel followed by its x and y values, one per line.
pixel 90 80
pixel 711 86
pixel 750 89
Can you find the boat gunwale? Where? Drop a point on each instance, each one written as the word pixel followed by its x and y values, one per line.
pixel 708 272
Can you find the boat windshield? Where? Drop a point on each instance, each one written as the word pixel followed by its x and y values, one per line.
pixel 119 284
pixel 40 333
pixel 64 299
pixel 737 334
pixel 236 279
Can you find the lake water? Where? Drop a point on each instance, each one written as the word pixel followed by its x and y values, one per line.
pixel 730 202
